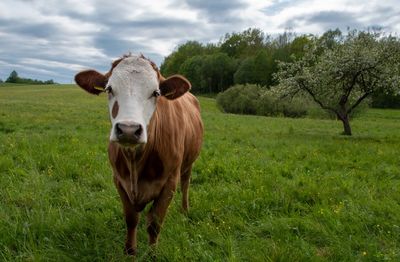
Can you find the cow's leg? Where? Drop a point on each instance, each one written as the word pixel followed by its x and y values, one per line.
pixel 185 183
pixel 131 219
pixel 157 213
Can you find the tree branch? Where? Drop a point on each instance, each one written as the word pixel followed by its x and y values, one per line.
pixel 304 87
pixel 365 87
pixel 359 100
pixel 348 90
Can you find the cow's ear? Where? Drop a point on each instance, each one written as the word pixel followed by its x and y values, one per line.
pixel 91 81
pixel 174 86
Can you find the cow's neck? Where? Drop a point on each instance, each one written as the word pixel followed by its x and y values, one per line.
pixel 132 161
pixel 133 157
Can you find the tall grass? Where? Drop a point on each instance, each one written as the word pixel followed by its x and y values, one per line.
pixel 263 189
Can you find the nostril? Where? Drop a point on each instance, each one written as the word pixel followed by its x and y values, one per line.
pixel 118 130
pixel 138 132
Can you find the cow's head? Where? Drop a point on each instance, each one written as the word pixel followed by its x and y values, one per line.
pixel 133 86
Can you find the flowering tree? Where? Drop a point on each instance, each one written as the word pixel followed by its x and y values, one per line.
pixel 340 76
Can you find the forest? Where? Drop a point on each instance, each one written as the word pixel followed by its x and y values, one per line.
pixel 252 57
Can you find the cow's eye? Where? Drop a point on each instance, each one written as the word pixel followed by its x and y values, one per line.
pixel 156 93
pixel 108 89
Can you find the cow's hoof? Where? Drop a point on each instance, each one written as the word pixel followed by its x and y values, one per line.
pixel 130 251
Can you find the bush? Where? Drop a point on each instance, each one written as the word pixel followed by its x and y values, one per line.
pixel 256 100
pixel 295 107
pixel 267 105
pixel 381 100
pixel 239 99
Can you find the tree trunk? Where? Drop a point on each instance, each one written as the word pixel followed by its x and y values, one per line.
pixel 346 124
pixel 343 115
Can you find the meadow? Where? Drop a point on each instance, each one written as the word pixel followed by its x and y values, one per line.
pixel 263 189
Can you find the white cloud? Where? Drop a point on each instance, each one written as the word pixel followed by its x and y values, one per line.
pixel 4 64
pixel 51 64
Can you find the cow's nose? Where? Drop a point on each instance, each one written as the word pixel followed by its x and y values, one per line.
pixel 128 132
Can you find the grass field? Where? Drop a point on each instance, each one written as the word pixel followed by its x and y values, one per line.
pixel 263 189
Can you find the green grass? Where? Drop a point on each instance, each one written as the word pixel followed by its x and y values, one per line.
pixel 263 189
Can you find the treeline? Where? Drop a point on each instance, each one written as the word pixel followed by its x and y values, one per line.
pixel 248 57
pixel 14 78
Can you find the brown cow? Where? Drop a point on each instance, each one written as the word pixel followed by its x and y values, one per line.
pixel 156 136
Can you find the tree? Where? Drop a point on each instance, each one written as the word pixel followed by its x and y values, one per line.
pixel 298 45
pixel 49 82
pixel 209 73
pixel 255 70
pixel 341 78
pixel 330 39
pixel 243 44
pixel 284 39
pixel 245 74
pixel 173 62
pixel 217 72
pixel 263 68
pixel 1 81
pixel 13 78
pixel 192 70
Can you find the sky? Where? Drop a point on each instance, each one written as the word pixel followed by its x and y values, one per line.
pixel 50 39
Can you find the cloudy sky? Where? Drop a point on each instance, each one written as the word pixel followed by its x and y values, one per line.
pixel 51 39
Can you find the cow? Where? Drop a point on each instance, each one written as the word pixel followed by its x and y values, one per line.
pixel 156 136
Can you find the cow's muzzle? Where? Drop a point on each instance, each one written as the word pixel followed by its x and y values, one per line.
pixel 128 133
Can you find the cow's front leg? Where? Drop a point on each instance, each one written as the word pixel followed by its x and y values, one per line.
pixel 131 219
pixel 157 213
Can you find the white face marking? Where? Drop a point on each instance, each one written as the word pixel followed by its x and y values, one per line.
pixel 133 82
